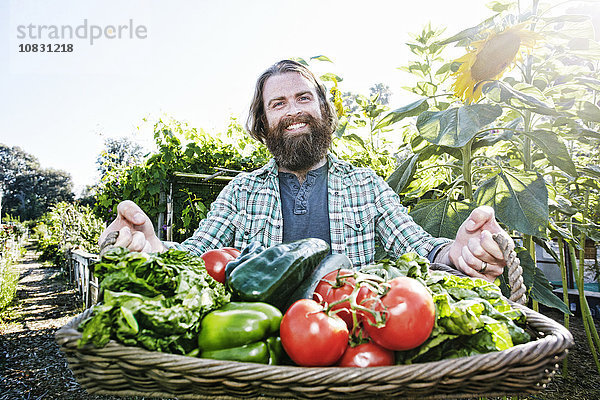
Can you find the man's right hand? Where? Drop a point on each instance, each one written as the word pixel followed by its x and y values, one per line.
pixel 136 231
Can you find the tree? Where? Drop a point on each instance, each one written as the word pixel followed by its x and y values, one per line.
pixel 120 152
pixel 28 189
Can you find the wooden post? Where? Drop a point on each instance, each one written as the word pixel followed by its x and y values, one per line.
pixel 569 267
pixel 170 213
pixel 161 216
pixel 86 281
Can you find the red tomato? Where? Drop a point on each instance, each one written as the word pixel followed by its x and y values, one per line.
pixel 366 355
pixel 410 315
pixel 310 337
pixel 215 261
pixel 338 285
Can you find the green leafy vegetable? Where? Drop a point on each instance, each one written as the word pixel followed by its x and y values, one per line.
pixel 155 301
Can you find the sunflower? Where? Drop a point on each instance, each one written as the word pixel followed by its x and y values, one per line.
pixel 487 59
pixel 337 101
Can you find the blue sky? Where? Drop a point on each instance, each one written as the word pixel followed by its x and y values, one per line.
pixel 197 63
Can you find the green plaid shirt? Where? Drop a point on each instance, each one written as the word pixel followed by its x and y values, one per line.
pixel 363 209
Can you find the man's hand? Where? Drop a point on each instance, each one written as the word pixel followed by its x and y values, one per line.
pixel 474 251
pixel 136 231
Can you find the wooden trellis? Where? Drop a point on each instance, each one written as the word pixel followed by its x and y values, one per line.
pixel 165 219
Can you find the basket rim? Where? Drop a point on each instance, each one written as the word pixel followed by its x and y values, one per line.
pixel 554 340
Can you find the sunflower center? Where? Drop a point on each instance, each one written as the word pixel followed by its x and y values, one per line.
pixel 495 56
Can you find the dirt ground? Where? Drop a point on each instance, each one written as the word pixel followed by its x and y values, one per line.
pixel 32 366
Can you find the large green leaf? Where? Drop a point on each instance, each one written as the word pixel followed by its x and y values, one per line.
pixel 562 205
pixel 540 289
pixel 492 138
pixel 563 233
pixel 469 33
pixel 520 199
pixel 410 110
pixel 402 176
pixel 554 149
pixel 592 171
pixel 455 127
pixel 589 111
pixel 589 82
pixel 501 92
pixel 443 217
pixel 426 150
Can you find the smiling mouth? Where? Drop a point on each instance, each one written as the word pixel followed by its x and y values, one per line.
pixel 295 127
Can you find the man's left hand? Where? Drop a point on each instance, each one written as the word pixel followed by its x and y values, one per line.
pixel 474 251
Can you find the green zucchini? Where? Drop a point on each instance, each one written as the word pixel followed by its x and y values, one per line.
pixel 273 274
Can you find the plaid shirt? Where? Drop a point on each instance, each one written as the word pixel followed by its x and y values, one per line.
pixel 363 209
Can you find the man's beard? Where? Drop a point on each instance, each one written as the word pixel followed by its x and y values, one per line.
pixel 301 151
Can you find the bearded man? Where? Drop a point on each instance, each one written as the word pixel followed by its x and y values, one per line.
pixel 305 191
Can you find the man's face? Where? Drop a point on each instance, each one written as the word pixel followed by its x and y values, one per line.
pixel 297 135
pixel 289 95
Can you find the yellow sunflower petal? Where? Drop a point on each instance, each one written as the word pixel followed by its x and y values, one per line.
pixel 489 58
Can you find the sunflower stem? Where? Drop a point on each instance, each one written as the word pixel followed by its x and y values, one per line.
pixel 584 308
pixel 565 289
pixel 528 164
pixel 466 170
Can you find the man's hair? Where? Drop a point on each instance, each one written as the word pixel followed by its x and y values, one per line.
pixel 257 121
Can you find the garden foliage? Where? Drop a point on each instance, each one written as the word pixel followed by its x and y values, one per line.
pixel 67 227
pixel 12 237
pixel 179 149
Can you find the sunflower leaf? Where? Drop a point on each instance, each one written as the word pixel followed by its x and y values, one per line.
pixel 442 217
pixel 455 127
pixel 554 149
pixel 589 111
pixel 589 82
pixel 500 92
pixel 468 33
pixel 402 176
pixel 519 198
pixel 410 110
pixel 539 288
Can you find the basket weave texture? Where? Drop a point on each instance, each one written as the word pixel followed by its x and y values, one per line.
pixel 132 371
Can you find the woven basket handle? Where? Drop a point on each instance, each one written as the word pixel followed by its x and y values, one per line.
pixel 515 272
pixel 109 242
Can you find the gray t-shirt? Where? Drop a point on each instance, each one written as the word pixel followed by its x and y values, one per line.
pixel 304 207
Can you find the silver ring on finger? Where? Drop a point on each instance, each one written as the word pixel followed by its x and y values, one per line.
pixel 483 267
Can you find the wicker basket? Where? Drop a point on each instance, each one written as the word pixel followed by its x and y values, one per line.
pixel 132 371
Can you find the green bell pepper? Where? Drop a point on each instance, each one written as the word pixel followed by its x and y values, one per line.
pixel 244 332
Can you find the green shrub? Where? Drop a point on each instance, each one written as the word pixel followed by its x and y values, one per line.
pixel 9 277
pixel 66 227
pixel 12 236
pixel 180 149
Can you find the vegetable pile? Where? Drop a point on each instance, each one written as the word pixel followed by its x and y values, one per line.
pixel 155 301
pixel 291 303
